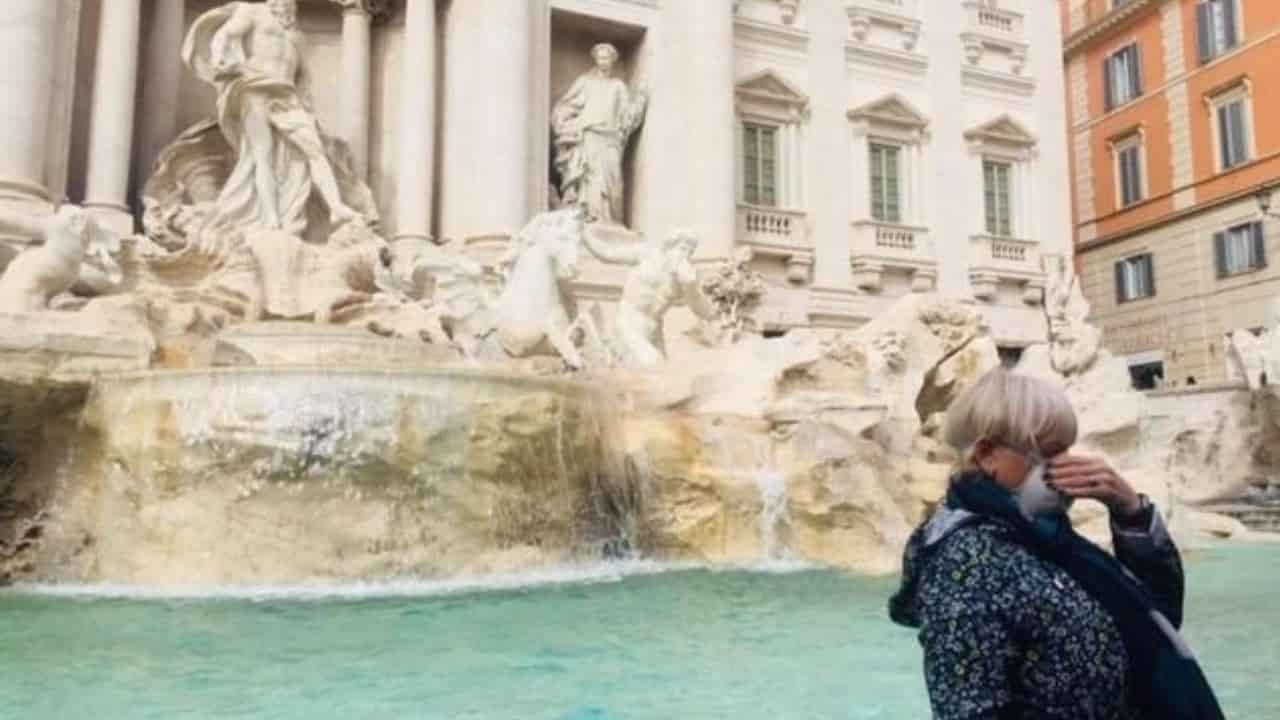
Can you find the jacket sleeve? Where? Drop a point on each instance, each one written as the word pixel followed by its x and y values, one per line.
pixel 967 632
pixel 1149 553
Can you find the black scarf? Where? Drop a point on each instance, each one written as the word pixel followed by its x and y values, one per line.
pixel 1166 682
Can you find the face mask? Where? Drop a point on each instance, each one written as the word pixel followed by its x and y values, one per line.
pixel 1035 497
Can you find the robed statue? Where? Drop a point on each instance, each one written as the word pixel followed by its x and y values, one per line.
pixel 591 125
pixel 252 54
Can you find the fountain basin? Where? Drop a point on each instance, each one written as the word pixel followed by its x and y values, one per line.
pixel 294 474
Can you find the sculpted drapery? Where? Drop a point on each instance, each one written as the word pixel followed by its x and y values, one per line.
pixel 591 124
pixel 264 111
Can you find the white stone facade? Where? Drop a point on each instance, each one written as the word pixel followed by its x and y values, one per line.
pixel 445 105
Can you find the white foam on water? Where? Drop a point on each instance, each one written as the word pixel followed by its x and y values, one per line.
pixel 607 572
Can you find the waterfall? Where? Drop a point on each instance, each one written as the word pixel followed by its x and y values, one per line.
pixel 773 510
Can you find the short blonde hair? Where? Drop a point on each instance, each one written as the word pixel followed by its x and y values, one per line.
pixel 1018 411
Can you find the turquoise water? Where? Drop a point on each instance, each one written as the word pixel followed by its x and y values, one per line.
pixel 679 644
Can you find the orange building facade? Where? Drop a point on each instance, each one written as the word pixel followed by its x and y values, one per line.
pixel 1174 135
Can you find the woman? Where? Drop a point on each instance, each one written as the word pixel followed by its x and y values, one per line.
pixel 1019 616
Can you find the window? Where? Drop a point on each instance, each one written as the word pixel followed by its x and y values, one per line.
pixel 760 164
pixel 1240 249
pixel 1135 278
pixel 996 184
pixel 1216 30
pixel 1129 171
pixel 1231 121
pixel 1147 376
pixel 1122 79
pixel 886 188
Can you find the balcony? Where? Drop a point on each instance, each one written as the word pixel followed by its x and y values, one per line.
pixel 995 47
pixel 994 21
pixel 879 247
pixel 774 232
pixel 995 260
pixel 885 34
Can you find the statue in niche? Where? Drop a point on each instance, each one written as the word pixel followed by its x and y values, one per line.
pixel 591 125
pixel 252 54
pixel 663 274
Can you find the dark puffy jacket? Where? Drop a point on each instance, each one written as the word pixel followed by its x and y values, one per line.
pixel 1008 635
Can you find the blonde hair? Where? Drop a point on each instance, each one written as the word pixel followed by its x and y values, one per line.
pixel 1018 411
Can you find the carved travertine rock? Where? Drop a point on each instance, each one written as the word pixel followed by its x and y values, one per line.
pixel 591 124
pixel 736 291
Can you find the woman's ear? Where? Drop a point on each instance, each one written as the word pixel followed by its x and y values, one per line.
pixel 982 454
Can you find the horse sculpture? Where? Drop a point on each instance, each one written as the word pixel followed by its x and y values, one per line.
pixel 536 313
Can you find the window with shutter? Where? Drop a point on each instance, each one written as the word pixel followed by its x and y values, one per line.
pixel 1239 249
pixel 1122 76
pixel 886 192
pixel 1233 133
pixel 1135 278
pixel 998 197
pixel 1216 28
pixel 1129 171
pixel 759 164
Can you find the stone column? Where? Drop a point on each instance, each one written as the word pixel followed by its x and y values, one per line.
pixel 357 21
pixel 488 124
pixel 115 82
pixel 416 159
pixel 158 125
pixel 710 126
pixel 28 53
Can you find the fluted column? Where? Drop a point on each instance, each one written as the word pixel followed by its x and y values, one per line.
pixel 357 36
pixel 115 83
pixel 488 114
pixel 710 121
pixel 29 57
pixel 416 159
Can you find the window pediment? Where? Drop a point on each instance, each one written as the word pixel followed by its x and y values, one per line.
pixel 892 111
pixel 1004 131
pixel 768 94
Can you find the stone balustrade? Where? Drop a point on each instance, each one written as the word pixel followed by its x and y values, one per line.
pixel 775 232
pixel 880 246
pixel 994 20
pixel 994 260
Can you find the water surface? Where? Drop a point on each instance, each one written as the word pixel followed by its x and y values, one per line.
pixel 679 644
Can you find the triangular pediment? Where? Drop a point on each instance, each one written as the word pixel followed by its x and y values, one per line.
pixel 1003 129
pixel 891 109
pixel 769 86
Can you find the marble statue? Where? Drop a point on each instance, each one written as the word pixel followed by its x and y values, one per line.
pixel 536 312
pixel 591 124
pixel 1074 343
pixel 1247 358
pixel 71 245
pixel 252 54
pixel 662 275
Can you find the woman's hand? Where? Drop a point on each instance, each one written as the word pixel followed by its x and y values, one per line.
pixel 1086 476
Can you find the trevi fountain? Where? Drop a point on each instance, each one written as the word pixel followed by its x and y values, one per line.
pixel 265 454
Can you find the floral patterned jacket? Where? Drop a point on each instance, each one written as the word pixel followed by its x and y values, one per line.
pixel 1010 636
